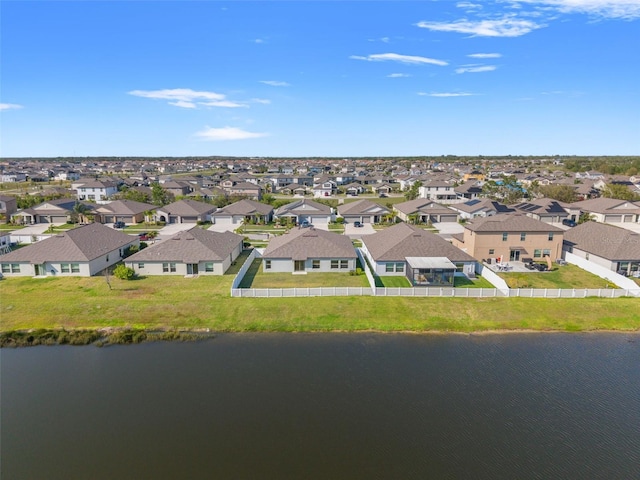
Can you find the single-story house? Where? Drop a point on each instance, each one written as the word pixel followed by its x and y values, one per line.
pixel 305 210
pixel 422 210
pixel 190 252
pixel 363 211
pixel 423 257
pixel 308 250
pixel 52 211
pixel 546 210
pixel 244 211
pixel 484 207
pixel 610 210
pixel 127 211
pixel 185 211
pixel 83 251
pixel 612 247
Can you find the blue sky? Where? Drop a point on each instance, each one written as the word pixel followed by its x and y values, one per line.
pixel 311 78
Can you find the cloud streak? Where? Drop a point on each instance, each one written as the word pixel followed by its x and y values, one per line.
pixel 398 75
pixel 485 55
pixel 187 98
pixel 508 26
pixel 613 9
pixel 446 94
pixel 476 69
pixel 275 83
pixel 226 133
pixel 10 106
pixel 396 57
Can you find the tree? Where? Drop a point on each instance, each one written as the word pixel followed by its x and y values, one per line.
pixel 123 272
pixel 80 211
pixel 159 196
pixel 561 193
pixel 414 191
pixel 619 191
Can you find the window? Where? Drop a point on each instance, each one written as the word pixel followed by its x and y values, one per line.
pixel 344 264
pixel 492 251
pixel 550 236
pixel 505 236
pixel 389 268
pixel 537 253
pixel 168 267
pixel 335 264
pixel 459 267
pixel 546 252
pixel 107 259
pixel 394 267
pixel 267 264
pixel 65 268
pixel 315 264
pixel 75 268
pixel 523 236
pixel 6 268
pixel 208 267
pixel 140 265
pixel 400 267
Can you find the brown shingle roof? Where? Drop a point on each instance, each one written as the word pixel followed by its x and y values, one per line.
pixel 190 246
pixel 510 222
pixel 304 243
pixel 125 207
pixel 404 240
pixel 362 207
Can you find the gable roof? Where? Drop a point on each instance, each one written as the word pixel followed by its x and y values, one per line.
pixel 190 246
pixel 483 204
pixel 303 207
pixel 607 205
pixel 304 243
pixel 245 207
pixel 80 244
pixel 362 207
pixel 187 207
pixel 509 222
pixel 130 207
pixel 422 205
pixel 542 206
pixel 604 240
pixel 402 240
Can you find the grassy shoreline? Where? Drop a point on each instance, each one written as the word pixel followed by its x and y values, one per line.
pixel 203 304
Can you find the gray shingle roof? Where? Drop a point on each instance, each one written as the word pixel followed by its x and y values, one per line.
pixel 359 207
pixel 125 207
pixel 510 222
pixel 190 246
pixel 245 207
pixel 304 243
pixel 80 244
pixel 404 240
pixel 303 207
pixel 184 208
pixel 604 240
pixel 422 205
pixel 607 205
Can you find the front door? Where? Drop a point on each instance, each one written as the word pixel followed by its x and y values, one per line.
pixel 514 256
pixel 192 268
pixel 298 266
pixel 40 270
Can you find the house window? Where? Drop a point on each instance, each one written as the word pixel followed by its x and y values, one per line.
pixel 208 267
pixel 586 257
pixel 393 267
pixel 315 264
pixel 492 251
pixel 523 236
pixel 344 264
pixel 389 267
pixel 335 264
pixel 550 236
pixel 168 267
pixel 505 236
pixel 400 267
pixel 75 268
pixel 537 253
pixel 107 259
pixel 267 264
pixel 140 266
pixel 546 252
pixel 6 268
pixel 15 268
pixel 459 267
pixel 65 268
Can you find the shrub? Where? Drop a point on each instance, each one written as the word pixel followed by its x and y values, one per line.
pixel 123 272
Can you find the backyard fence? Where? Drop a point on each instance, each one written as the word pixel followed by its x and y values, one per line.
pixel 301 292
pixel 245 266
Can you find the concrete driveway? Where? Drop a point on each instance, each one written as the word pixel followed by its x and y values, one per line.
pixel 171 229
pixel 448 228
pixel 358 232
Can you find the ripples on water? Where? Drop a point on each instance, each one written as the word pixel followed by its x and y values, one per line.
pixel 362 406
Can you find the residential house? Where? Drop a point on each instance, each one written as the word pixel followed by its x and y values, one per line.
pixel 469 190
pixel 127 211
pixel 510 237
pixel 610 210
pixel 381 188
pixel 354 189
pixel 185 211
pixel 244 211
pixel 480 208
pixel 440 191
pixel 612 247
pixel 546 210
pixel 309 250
pixel 5 242
pixel 425 258
pixel 83 251
pixel 57 211
pixel 190 252
pixel 422 210
pixel 12 177
pixel 326 188
pixel 178 188
pixel 98 191
pixel 363 211
pixel 244 189
pixel 8 206
pixel 305 210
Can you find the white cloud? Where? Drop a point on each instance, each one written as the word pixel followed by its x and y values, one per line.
pixel 259 40
pixel 485 55
pixel 10 106
pixel 275 83
pixel 263 101
pixel 622 9
pixel 476 69
pixel 187 98
pixel 446 94
pixel 398 75
pixel 507 26
pixel 385 39
pixel 395 57
pixel 468 5
pixel 227 133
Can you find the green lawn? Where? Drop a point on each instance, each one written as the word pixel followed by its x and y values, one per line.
pixel 391 281
pixel 565 276
pixel 478 282
pixel 204 302
pixel 4 227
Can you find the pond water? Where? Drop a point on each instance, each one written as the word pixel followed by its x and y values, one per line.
pixel 326 406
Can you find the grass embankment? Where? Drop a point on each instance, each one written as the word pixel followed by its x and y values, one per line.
pixel 176 303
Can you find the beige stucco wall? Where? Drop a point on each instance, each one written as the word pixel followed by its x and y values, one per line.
pixel 478 245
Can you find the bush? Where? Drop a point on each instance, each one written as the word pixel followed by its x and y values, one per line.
pixel 123 272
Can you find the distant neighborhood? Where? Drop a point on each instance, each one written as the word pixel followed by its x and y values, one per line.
pixel 401 223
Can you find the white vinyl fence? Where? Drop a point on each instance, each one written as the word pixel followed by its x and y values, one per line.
pixel 301 292
pixel 245 266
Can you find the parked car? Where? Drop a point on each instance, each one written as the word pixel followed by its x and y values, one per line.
pixel 383 195
pixel 144 237
pixel 357 224
pixel 305 224
pixel 569 223
pixel 119 225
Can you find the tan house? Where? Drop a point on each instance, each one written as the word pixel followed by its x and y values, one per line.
pixel 510 237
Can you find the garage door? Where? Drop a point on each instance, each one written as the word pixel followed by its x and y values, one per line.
pixel 613 218
pixel 448 218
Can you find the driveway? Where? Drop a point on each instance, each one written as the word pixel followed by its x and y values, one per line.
pixel 448 228
pixel 223 227
pixel 358 232
pixel 171 229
